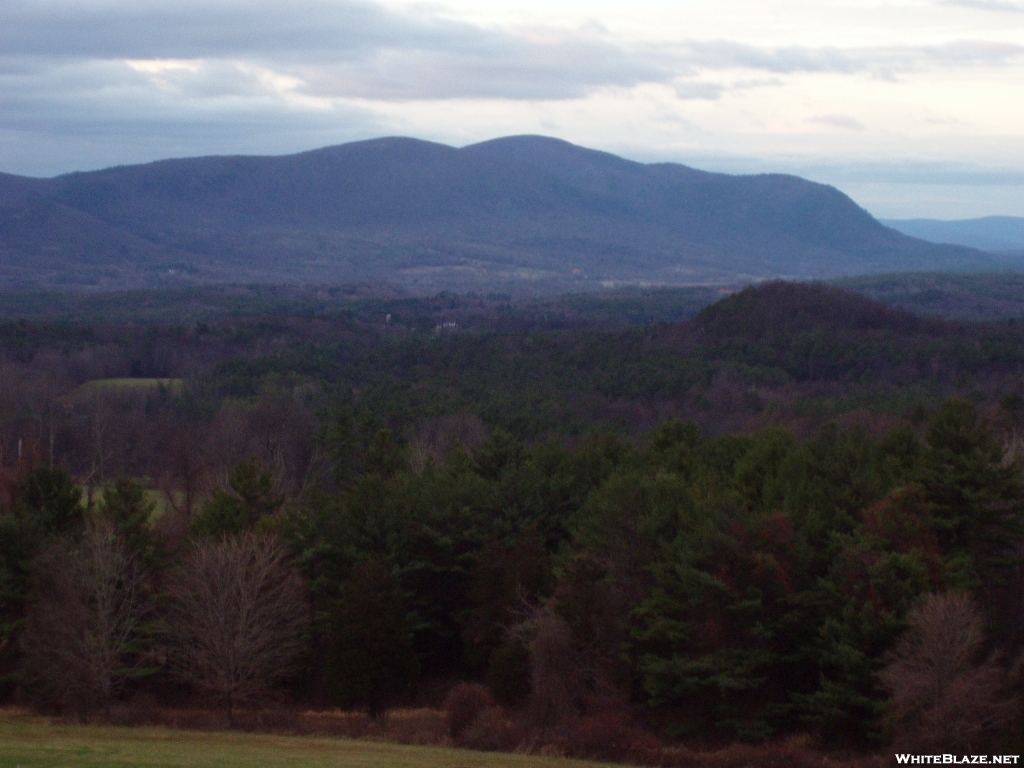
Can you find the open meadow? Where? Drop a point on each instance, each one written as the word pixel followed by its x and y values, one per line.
pixel 28 741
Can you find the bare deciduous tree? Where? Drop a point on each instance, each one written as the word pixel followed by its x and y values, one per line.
pixel 557 669
pixel 237 618
pixel 942 697
pixel 87 604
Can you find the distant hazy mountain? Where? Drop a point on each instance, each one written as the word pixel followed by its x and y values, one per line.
pixel 523 211
pixel 991 233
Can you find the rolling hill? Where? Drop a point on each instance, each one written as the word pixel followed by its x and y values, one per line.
pixel 523 212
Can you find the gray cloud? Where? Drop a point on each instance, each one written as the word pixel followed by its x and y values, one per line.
pixel 45 137
pixel 263 76
pixel 75 115
pixel 192 29
pixel 511 71
pixel 885 61
pixel 346 48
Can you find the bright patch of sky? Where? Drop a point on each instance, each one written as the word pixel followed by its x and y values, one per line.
pixel 913 107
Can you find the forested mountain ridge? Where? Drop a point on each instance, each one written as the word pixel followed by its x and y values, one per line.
pixel 526 212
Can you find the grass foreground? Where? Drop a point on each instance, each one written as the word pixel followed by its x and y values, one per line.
pixel 28 741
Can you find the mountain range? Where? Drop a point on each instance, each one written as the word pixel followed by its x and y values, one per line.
pixel 998 234
pixel 524 212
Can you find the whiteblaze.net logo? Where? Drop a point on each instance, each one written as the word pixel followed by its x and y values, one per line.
pixel 957 759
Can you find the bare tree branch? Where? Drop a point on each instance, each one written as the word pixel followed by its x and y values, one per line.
pixel 238 618
pixel 87 604
pixel 942 697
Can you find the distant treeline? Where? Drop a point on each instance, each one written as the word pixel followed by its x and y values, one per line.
pixel 180 404
pixel 364 302
pixel 979 297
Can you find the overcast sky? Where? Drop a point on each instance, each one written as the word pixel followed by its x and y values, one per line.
pixel 913 107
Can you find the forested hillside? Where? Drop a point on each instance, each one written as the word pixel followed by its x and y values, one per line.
pixel 735 527
pixel 522 213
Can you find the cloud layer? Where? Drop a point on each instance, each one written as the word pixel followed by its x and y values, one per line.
pixel 362 50
pixel 90 83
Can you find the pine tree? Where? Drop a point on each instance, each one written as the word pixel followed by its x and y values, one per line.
pixel 370 657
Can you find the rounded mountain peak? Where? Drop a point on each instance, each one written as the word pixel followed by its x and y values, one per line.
pixel 544 150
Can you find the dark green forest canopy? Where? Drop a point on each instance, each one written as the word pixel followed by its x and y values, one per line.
pixel 739 587
pixel 777 351
pixel 778 348
pixel 729 515
pixel 366 302
pixel 976 297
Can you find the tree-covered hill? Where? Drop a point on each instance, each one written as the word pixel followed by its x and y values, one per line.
pixel 524 213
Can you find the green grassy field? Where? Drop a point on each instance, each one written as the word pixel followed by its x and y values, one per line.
pixel 35 742
pixel 124 387
pixel 130 385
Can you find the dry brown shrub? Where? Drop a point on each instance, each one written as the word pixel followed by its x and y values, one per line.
pixel 412 726
pixel 194 719
pixel 494 730
pixel 465 703
pixel 267 720
pixel 610 736
pixel 794 752
pixel 352 725
pixel 942 698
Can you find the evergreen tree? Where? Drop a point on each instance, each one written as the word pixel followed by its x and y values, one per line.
pixel 127 507
pixel 976 499
pixel 250 499
pixel 47 506
pixel 370 656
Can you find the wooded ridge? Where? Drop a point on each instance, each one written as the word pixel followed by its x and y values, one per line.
pixel 522 213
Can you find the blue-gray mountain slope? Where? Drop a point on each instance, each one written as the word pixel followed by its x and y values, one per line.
pixel 990 233
pixel 519 211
